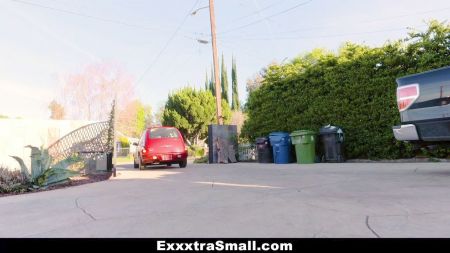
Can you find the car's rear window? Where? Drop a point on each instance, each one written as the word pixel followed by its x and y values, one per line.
pixel 158 133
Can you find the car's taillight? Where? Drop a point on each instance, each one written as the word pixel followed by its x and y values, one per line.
pixel 406 95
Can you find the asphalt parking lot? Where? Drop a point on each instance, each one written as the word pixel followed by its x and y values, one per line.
pixel 243 200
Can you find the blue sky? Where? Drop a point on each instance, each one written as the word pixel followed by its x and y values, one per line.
pixel 39 45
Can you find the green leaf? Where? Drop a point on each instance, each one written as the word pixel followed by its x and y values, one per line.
pixel 23 167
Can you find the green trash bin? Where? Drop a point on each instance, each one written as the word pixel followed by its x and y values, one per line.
pixel 305 146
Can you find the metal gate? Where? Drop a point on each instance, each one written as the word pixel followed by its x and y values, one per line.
pixel 89 142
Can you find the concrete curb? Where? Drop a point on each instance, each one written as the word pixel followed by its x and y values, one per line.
pixel 412 160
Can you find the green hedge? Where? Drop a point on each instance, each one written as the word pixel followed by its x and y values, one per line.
pixel 354 89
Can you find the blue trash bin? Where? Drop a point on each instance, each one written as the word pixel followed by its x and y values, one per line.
pixel 281 146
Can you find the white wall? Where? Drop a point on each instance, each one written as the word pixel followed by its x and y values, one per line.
pixel 15 134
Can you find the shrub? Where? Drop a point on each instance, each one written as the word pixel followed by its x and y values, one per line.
pixel 203 159
pixel 199 152
pixel 354 89
pixel 196 151
pixel 12 181
pixel 124 142
pixel 435 152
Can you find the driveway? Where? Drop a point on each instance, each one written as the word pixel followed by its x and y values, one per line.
pixel 243 200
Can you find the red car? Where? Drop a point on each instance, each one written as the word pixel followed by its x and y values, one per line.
pixel 160 145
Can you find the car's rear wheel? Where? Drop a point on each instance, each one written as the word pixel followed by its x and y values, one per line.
pixel 183 164
pixel 141 166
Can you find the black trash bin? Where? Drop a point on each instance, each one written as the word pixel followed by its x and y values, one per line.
pixel 109 161
pixel 264 150
pixel 332 144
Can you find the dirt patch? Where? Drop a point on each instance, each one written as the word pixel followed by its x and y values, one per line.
pixel 86 179
pixel 74 181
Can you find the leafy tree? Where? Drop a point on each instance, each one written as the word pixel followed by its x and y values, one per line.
pixel 224 80
pixel 88 94
pixel 158 117
pixel 56 110
pixel 134 118
pixel 354 89
pixel 257 80
pixel 428 49
pixel 143 118
pixel 191 111
pixel 234 84
pixel 254 83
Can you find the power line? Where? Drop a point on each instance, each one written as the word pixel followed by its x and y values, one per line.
pixel 256 13
pixel 407 15
pixel 70 12
pixel 326 36
pixel 373 20
pixel 178 64
pixel 246 51
pixel 175 62
pixel 268 17
pixel 166 45
pixel 277 2
pixel 358 22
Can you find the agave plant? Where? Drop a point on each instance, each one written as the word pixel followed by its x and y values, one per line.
pixel 42 173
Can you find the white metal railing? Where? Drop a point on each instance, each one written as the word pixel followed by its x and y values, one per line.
pixel 247 152
pixel 89 141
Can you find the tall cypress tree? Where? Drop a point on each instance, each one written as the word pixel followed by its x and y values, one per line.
pixel 234 87
pixel 224 80
pixel 212 85
pixel 207 81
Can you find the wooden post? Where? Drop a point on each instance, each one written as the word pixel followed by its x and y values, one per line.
pixel 216 64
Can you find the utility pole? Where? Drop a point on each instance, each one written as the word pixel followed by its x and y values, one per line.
pixel 216 64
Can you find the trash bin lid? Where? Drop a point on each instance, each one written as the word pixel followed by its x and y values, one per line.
pixel 277 137
pixel 331 130
pixel 302 132
pixel 279 134
pixel 262 140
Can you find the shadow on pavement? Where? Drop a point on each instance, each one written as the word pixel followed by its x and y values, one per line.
pixel 130 166
pixel 127 171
